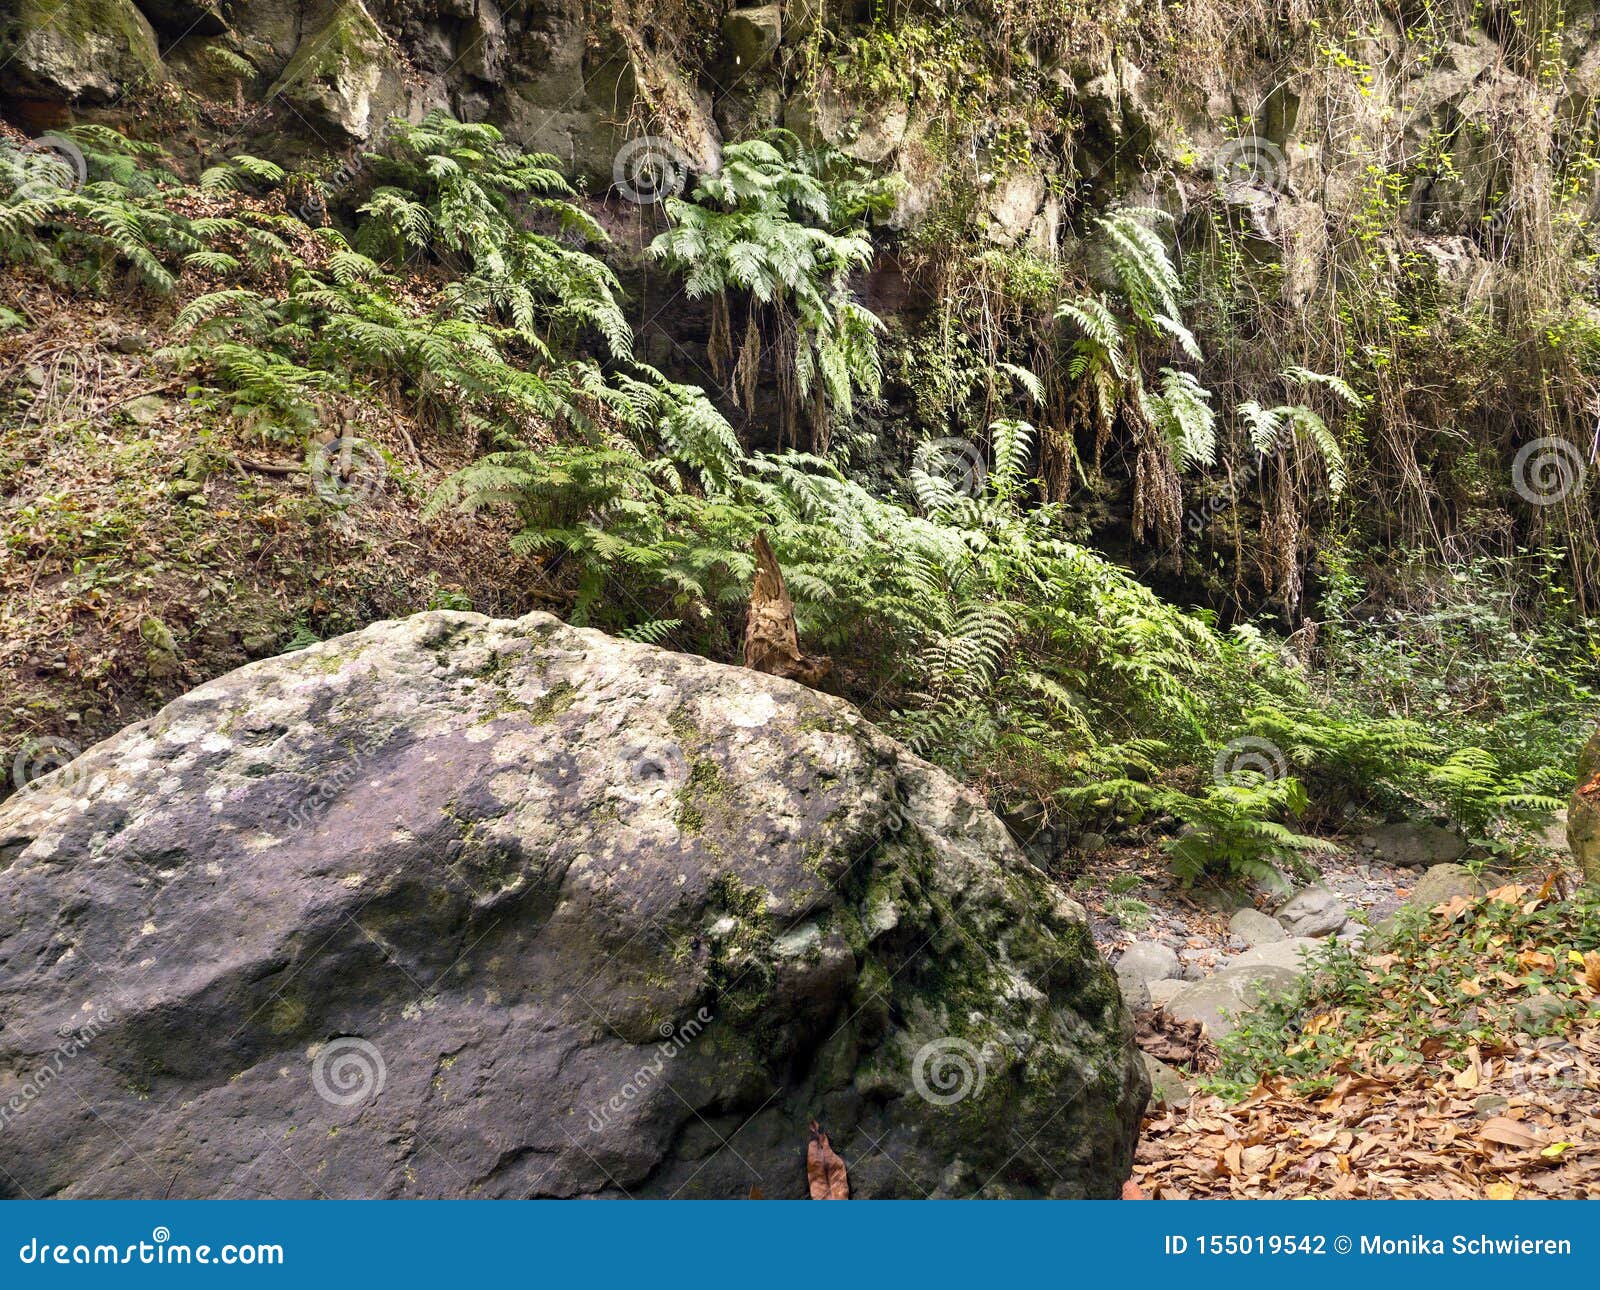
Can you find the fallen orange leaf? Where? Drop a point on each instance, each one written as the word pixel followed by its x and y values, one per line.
pixel 824 1169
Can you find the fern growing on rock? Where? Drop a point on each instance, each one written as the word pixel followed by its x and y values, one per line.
pixel 782 228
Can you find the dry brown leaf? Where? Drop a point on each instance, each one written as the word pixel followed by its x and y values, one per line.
pixel 825 1169
pixel 1509 1133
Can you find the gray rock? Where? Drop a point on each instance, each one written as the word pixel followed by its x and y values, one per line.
pixel 1135 991
pixel 753 35
pixel 1162 992
pixel 1016 199
pixel 1415 846
pixel 1167 1086
pixel 1220 1000
pixel 1149 960
pixel 463 907
pixel 344 74
pixel 1316 911
pixel 1256 928
pixel 145 410
pixel 1539 1011
pixel 1444 882
pixel 1287 954
pixel 77 49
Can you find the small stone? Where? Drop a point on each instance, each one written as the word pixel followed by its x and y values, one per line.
pixel 1167 1086
pixel 1149 961
pixel 157 635
pixel 144 410
pixel 1255 928
pixel 1444 882
pixel 182 488
pixel 1091 842
pixel 1415 846
pixel 1316 911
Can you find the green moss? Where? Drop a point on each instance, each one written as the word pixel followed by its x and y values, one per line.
pixel 84 23
pixel 551 705
pixel 349 38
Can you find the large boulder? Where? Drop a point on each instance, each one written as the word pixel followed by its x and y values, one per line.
pixel 463 907
pixel 1583 816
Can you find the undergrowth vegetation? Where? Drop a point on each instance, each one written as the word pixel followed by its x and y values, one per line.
pixel 1449 987
pixel 463 286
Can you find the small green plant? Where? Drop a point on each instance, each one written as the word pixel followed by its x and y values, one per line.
pixel 1132 914
pixel 1229 831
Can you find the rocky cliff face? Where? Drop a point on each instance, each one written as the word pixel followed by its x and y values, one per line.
pixel 464 907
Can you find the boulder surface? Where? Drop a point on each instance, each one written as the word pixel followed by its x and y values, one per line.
pixel 463 907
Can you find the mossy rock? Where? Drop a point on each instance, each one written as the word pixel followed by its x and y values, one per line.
pixel 344 74
pixel 497 809
pixel 89 50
